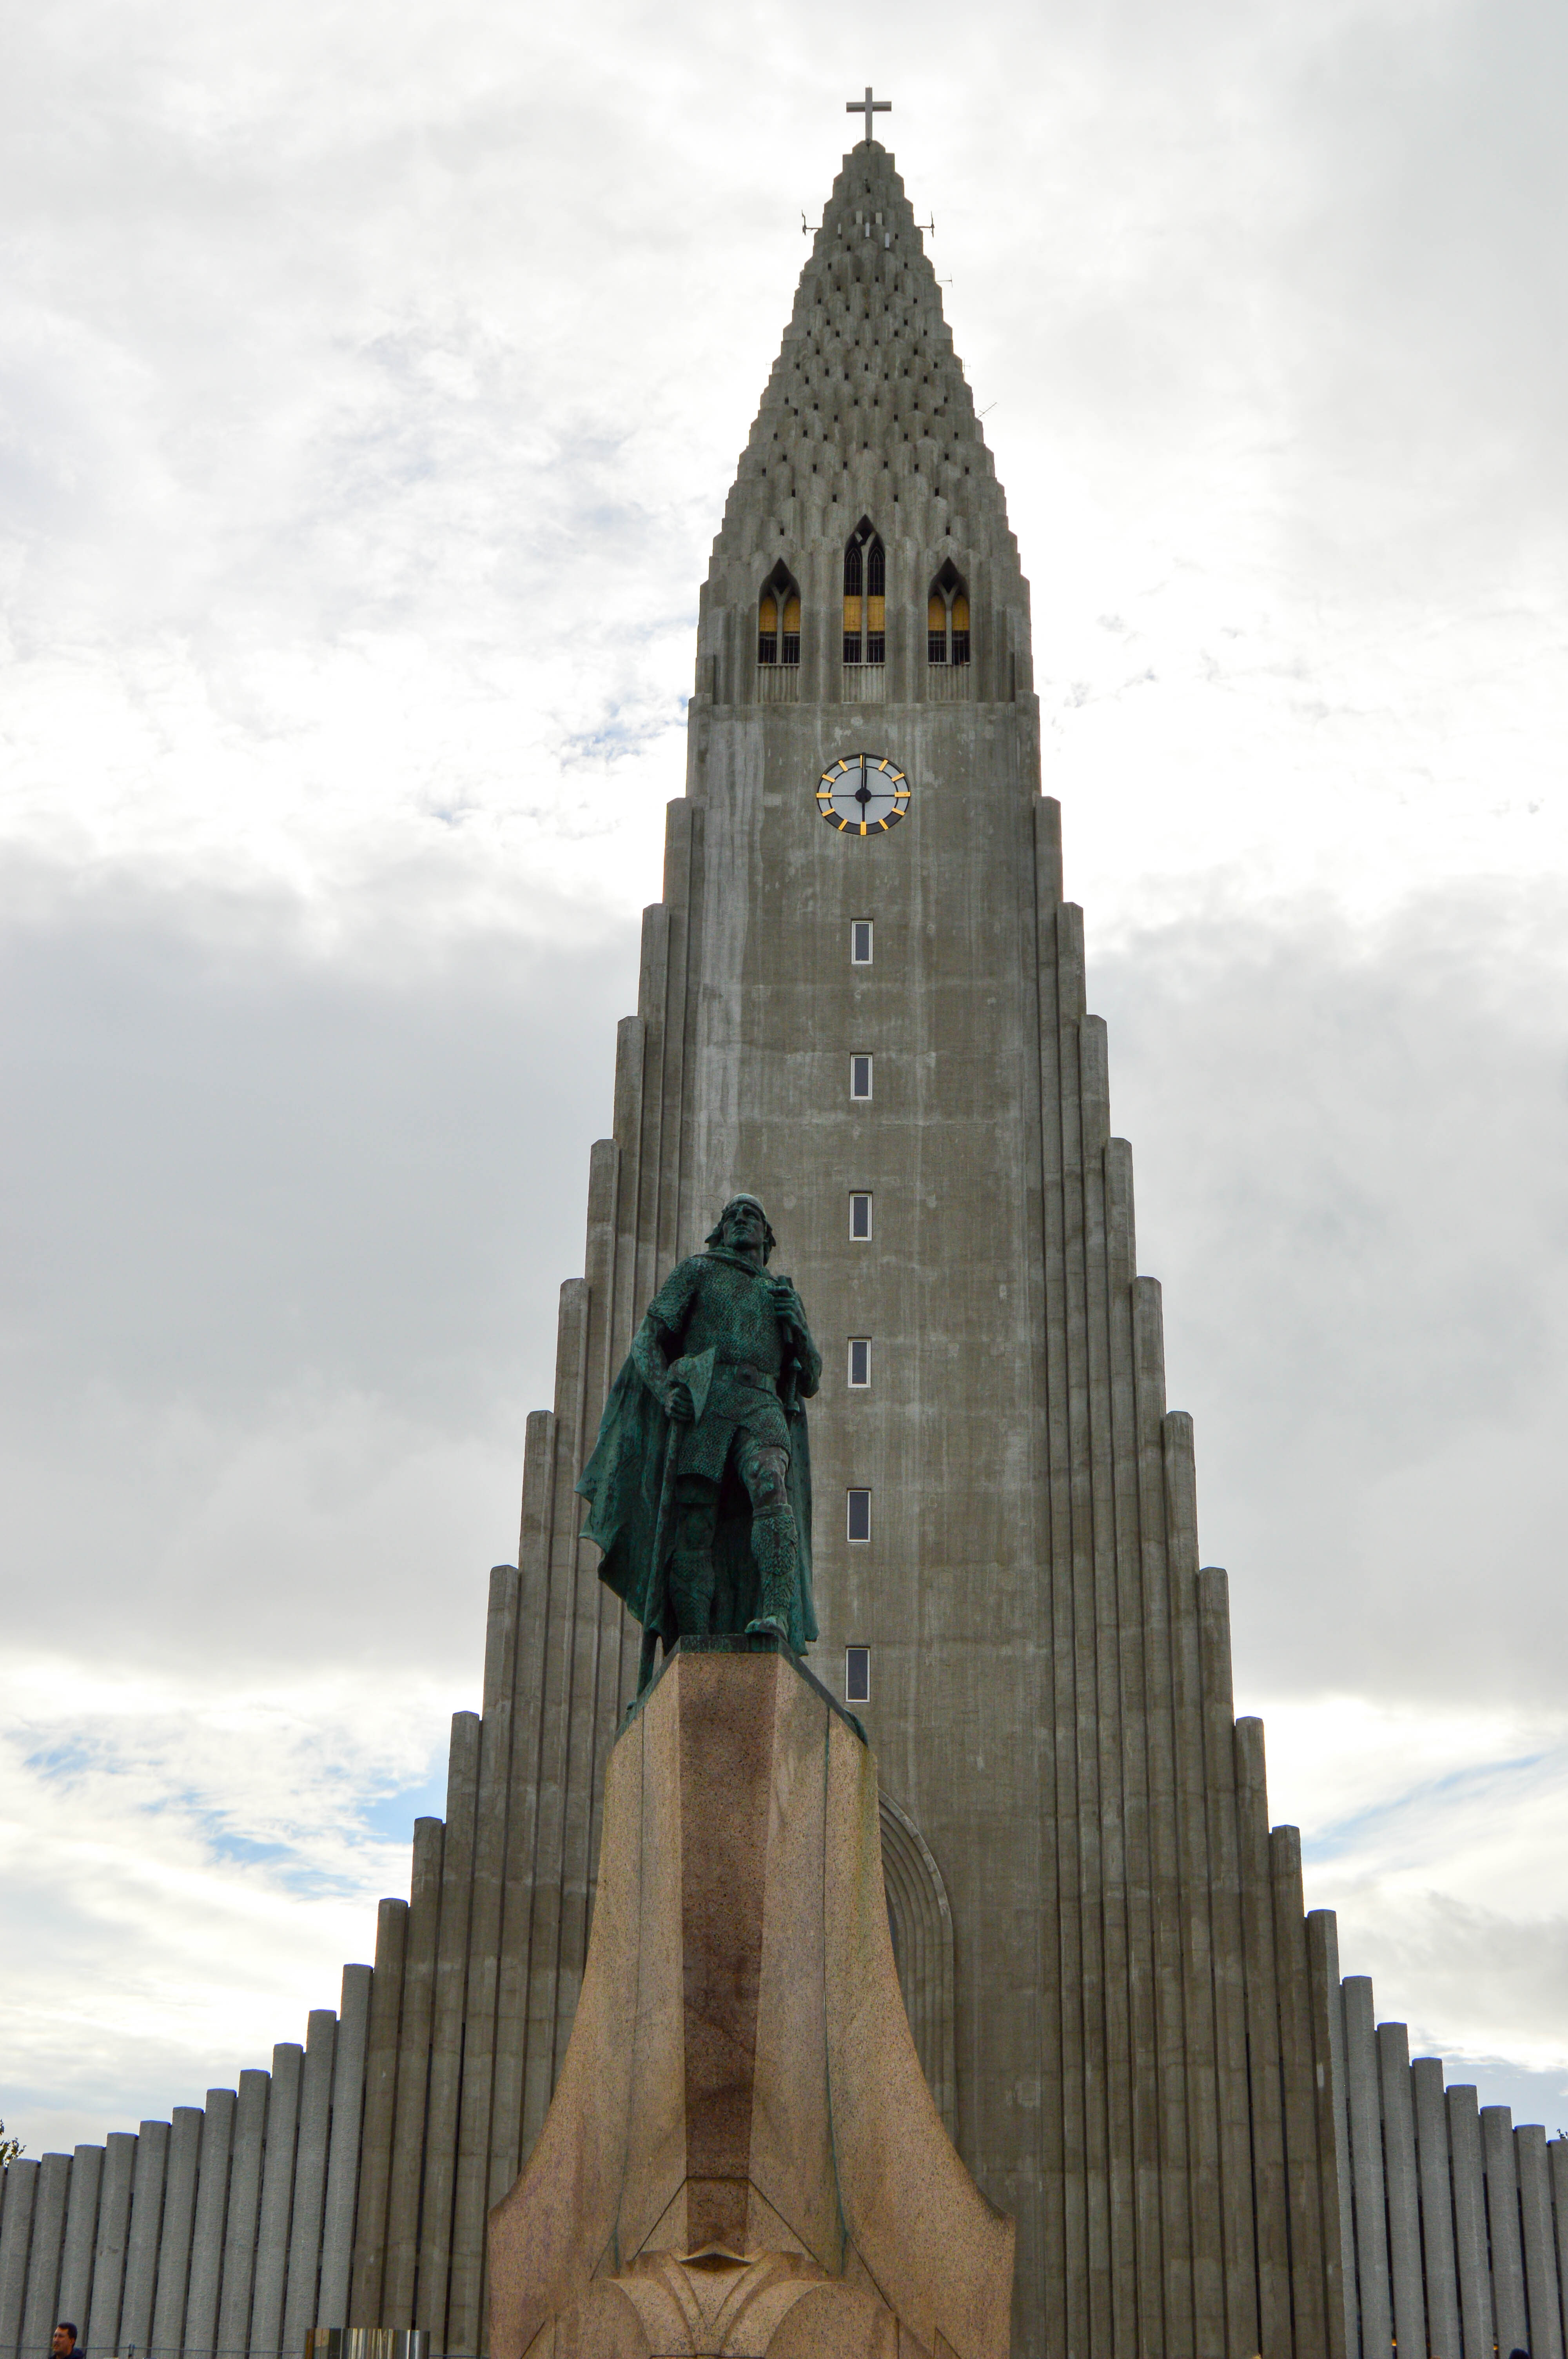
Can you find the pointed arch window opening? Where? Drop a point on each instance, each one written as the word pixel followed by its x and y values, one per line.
pixel 865 596
pixel 948 617
pixel 778 617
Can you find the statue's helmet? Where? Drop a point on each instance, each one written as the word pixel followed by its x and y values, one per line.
pixel 716 1235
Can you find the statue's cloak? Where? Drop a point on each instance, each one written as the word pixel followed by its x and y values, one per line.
pixel 631 1473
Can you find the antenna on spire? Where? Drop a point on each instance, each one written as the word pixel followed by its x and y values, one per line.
pixel 868 106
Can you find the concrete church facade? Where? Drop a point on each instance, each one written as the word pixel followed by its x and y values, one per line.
pixel 872 1012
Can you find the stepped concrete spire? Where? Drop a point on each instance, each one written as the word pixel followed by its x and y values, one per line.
pixel 867 403
pixel 866 413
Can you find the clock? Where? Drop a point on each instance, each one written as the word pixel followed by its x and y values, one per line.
pixel 862 794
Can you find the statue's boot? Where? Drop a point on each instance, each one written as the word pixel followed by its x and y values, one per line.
pixel 776 1553
pixel 692 1577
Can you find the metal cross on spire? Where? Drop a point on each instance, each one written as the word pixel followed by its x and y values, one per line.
pixel 868 106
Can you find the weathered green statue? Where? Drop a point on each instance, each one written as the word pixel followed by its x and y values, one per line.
pixel 699 1485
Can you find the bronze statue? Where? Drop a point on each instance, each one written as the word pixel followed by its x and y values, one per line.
pixel 699 1485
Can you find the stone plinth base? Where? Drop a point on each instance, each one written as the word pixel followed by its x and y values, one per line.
pixel 742 2156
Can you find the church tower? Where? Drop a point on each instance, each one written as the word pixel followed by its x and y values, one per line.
pixel 862 997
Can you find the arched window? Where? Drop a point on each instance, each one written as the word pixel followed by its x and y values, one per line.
pixel 948 618
pixel 865 597
pixel 778 618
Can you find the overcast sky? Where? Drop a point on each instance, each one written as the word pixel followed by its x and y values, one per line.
pixel 372 382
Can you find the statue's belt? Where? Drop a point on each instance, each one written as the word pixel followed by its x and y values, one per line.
pixel 743 1373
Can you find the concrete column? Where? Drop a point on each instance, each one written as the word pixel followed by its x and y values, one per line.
pixel 1058 997
pixel 380 2114
pixel 206 2228
pixel 343 2154
pixel 1102 2021
pixel 1540 2246
pixel 1241 2256
pixel 1202 2095
pixel 1366 2169
pixel 638 1111
pixel 556 1704
pixel 683 841
pixel 523 1799
pixel 1080 2021
pixel 1298 2066
pixel 1149 1349
pixel 1403 2197
pixel 39 2309
pixel 1509 2307
pixel 1132 2194
pixel 465 2313
pixel 1470 2256
pixel 1436 2209
pixel 113 2237
pixel 1557 2166
pixel 1048 844
pixel 654 982
pixel 446 2027
pixel 21 2183
pixel 588 1617
pixel 1333 2167
pixel 1263 2041
pixel 1339 2092
pixel 245 2170
pixel 145 2237
pixel 277 2201
pixel 309 2179
pixel 1149 2328
pixel 178 2220
pixel 80 2235
pixel 413 2079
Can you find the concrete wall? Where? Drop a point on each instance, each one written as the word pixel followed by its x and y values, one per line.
pixel 1456 2222
pixel 160 2243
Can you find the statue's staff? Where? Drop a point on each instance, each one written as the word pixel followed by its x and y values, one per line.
pixel 656 1608
pixel 687 1397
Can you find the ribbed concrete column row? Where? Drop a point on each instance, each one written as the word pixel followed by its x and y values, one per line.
pixel 226 2230
pixel 1190 2193
pixel 477 1978
pixel 1458 2221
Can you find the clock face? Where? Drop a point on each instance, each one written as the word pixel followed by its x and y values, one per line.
pixel 862 794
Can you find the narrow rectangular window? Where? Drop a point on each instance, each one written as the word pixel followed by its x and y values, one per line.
pixel 860 1362
pixel 859 1076
pixel 860 942
pixel 856 1675
pixel 860 1515
pixel 860 1216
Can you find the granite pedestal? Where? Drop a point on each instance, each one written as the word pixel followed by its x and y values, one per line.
pixel 742 2156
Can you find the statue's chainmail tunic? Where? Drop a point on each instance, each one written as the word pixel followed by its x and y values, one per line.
pixel 713 1302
